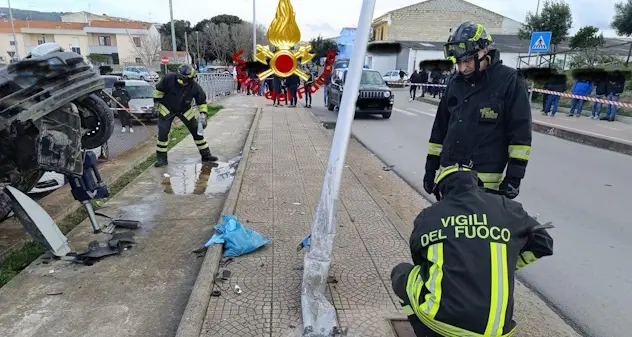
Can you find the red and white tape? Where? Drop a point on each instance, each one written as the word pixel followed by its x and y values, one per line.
pixel 543 91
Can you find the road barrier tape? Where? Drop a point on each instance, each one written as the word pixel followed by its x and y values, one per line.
pixel 542 91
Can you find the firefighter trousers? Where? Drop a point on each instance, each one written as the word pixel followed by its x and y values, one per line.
pixel 399 279
pixel 164 126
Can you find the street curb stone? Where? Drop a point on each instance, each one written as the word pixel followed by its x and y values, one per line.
pixel 195 312
pixel 571 135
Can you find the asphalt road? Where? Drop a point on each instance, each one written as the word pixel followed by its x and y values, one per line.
pixel 120 142
pixel 583 190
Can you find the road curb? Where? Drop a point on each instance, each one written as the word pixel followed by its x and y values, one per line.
pixel 607 143
pixel 195 311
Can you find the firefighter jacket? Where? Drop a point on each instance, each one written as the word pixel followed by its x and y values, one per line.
pixel 466 249
pixel 177 98
pixel 485 125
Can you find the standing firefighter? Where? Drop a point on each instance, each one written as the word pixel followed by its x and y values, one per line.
pixel 484 119
pixel 465 251
pixel 173 97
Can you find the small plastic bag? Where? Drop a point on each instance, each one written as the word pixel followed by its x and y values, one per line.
pixel 237 239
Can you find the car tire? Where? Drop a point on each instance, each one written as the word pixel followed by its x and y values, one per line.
pixel 125 77
pixel 386 115
pixel 100 119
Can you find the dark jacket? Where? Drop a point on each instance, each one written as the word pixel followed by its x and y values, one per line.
pixel 310 80
pixel 293 81
pixel 122 96
pixel 468 247
pixel 415 78
pixel 601 88
pixel 487 125
pixel 557 83
pixel 276 83
pixel 436 76
pixel 424 76
pixel 177 98
pixel 616 84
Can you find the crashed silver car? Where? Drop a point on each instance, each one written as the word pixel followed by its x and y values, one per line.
pixel 50 111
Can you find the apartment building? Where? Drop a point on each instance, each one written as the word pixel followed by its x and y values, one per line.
pixel 112 42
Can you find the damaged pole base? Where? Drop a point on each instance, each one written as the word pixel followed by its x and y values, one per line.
pixel 319 316
pixel 92 216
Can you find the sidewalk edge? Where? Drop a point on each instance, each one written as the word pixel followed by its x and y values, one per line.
pixel 572 135
pixel 195 311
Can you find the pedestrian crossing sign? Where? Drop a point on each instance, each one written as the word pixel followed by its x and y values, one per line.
pixel 540 42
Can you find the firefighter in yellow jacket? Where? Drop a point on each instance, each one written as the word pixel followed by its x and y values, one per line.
pixel 172 98
pixel 465 250
pixel 484 118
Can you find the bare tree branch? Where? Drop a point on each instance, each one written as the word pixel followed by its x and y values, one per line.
pixel 218 38
pixel 147 48
pixel 241 35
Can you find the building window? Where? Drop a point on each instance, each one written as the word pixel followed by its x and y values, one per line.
pixel 41 40
pixel 136 41
pixel 76 50
pixel 11 41
pixel 138 60
pixel 105 41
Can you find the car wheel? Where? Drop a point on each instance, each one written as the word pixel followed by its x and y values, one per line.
pixel 98 119
pixel 386 115
pixel 125 77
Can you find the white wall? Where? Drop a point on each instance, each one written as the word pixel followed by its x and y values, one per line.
pixel 381 62
pixel 417 56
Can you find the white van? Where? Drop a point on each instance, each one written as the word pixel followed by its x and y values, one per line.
pixel 142 103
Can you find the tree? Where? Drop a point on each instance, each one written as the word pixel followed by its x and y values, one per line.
pixel 555 17
pixel 622 20
pixel 320 47
pixel 97 58
pixel 241 36
pixel 227 19
pixel 218 41
pixel 586 37
pixel 198 42
pixel 148 49
pixel 181 27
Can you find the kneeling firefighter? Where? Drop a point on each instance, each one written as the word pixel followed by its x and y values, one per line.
pixel 173 97
pixel 465 250
pixel 484 118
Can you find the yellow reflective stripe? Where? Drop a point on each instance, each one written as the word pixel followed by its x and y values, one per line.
pixel 163 110
pixel 444 172
pixel 492 186
pixel 519 151
pixel 158 94
pixel 525 258
pixel 200 142
pixel 433 297
pixel 189 113
pixel 478 33
pixel 161 149
pixel 408 310
pixel 203 108
pixel 434 149
pixel 160 143
pixel 490 177
pixel 202 147
pixel 499 289
pixel 451 58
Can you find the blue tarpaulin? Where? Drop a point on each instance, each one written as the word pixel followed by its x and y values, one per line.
pixel 237 239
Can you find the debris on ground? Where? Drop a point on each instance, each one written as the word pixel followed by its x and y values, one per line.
pixel 388 167
pixel 236 238
pixel 96 250
pixel 237 290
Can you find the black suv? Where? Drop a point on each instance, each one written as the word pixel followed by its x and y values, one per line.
pixel 375 97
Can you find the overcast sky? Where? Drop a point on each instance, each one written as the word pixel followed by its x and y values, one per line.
pixel 324 17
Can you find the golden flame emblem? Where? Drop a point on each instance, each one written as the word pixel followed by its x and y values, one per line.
pixel 284 34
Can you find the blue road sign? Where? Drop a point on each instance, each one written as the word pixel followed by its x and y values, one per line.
pixel 540 42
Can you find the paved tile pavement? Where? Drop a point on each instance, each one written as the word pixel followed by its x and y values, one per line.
pixel 279 195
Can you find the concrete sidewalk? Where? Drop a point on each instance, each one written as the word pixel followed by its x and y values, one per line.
pixel 279 193
pixel 614 136
pixel 143 291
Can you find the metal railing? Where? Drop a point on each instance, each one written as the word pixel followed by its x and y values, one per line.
pixel 216 85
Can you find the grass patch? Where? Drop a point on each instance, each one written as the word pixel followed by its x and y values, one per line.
pixel 19 259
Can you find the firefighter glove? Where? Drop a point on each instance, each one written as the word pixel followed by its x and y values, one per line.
pixel 511 187
pixel 429 181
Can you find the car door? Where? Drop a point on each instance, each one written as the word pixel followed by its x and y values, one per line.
pixel 337 87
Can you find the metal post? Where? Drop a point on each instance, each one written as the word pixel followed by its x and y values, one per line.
pixel 319 316
pixel 197 43
pixel 186 46
pixel 173 33
pixel 537 9
pixel 15 40
pixel 254 29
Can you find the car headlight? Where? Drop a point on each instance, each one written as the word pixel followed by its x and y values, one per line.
pixel 387 94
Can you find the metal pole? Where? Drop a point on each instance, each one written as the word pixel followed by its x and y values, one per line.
pixel 254 29
pixel 173 33
pixel 186 46
pixel 197 37
pixel 15 40
pixel 537 9
pixel 319 316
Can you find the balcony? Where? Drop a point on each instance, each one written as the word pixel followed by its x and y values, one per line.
pixel 102 49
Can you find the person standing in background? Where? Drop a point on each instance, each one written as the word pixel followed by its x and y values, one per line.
pixel 615 88
pixel 581 88
pixel 292 82
pixel 415 79
pixel 423 74
pixel 308 85
pixel 436 79
pixel 601 92
pixel 276 90
pixel 123 97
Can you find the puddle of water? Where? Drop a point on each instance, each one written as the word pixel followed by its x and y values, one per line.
pixel 200 178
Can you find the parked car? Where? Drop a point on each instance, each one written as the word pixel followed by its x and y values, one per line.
pixel 142 102
pixel 374 96
pixel 140 73
pixel 50 181
pixel 393 76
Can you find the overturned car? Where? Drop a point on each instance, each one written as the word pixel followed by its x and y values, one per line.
pixel 50 111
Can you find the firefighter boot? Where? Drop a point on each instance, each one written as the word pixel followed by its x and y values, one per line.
pixel 161 159
pixel 207 156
